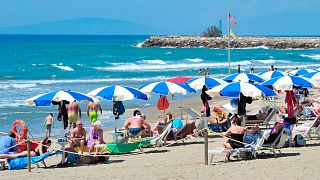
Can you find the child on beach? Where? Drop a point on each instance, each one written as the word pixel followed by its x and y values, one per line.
pixel 48 122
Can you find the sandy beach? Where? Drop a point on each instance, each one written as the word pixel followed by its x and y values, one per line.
pixel 186 160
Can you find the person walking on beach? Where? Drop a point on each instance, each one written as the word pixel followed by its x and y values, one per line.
pixel 92 111
pixel 63 114
pixel 205 97
pixel 48 122
pixel 73 111
pixel 239 68
pixel 78 136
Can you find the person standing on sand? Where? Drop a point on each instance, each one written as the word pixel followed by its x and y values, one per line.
pixel 92 111
pixel 48 122
pixel 73 111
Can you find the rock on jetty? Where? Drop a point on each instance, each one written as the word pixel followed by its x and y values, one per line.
pixel 242 42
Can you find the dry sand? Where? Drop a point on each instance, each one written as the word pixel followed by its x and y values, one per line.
pixel 186 160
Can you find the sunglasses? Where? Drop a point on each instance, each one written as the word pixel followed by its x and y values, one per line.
pixel 80 124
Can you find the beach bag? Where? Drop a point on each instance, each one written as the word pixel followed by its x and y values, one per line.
pixel 118 109
pixel 163 103
pixel 299 141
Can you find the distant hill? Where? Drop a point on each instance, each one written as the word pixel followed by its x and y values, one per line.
pixel 84 26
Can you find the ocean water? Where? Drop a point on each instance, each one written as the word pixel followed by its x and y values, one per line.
pixel 34 64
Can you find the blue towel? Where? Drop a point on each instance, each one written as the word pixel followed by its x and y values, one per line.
pixel 19 163
pixel 177 123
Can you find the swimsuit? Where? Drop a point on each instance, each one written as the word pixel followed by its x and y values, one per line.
pixel 93 116
pixel 237 137
pixel 134 131
pixel 72 117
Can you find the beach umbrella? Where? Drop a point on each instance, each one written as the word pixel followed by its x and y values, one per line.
pixel 313 75
pixel 243 77
pixel 53 98
pixel 234 90
pixel 298 72
pixel 118 93
pixel 166 88
pixel 289 82
pixel 197 83
pixel 179 80
pixel 272 74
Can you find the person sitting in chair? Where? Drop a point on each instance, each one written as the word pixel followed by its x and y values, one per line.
pixel 135 123
pixel 236 133
pixel 40 150
pixel 219 122
pixel 78 136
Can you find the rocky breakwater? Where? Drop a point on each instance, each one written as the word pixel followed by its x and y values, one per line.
pixel 242 42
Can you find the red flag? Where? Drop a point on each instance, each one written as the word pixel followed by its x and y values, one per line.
pixel 231 19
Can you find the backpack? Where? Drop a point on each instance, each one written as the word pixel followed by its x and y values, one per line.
pixel 299 140
pixel 163 103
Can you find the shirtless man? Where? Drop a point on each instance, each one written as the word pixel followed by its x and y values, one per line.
pixel 78 136
pixel 48 122
pixel 135 123
pixel 92 111
pixel 73 111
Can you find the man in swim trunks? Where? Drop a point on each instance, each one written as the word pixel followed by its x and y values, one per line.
pixel 92 111
pixel 135 123
pixel 48 122
pixel 78 136
pixel 73 111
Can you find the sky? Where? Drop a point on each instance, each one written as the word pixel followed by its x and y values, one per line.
pixel 254 17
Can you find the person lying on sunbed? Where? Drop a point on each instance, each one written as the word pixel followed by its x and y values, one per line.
pixel 40 150
pixel 260 116
pixel 236 133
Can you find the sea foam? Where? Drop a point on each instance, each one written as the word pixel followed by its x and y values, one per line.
pixel 315 57
pixel 60 66
pixel 194 59
pixel 155 61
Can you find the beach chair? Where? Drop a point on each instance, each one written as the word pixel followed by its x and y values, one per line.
pixel 310 128
pixel 186 130
pixel 271 112
pixel 276 144
pixel 251 145
pixel 161 139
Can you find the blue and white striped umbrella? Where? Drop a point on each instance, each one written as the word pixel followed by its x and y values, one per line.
pixel 243 77
pixel 197 83
pixel 272 74
pixel 48 98
pixel 118 93
pixel 247 89
pixel 166 88
pixel 289 82
pixel 299 72
pixel 313 76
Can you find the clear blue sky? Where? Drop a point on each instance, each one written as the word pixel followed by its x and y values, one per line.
pixel 254 17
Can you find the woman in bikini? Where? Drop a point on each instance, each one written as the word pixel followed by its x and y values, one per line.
pixel 40 150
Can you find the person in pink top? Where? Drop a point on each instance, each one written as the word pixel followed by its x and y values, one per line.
pixel 134 124
pixel 289 102
pixel 95 136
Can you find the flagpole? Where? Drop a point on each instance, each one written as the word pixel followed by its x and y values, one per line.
pixel 229 41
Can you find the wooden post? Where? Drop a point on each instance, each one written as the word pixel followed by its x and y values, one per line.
pixel 29 156
pixel 205 135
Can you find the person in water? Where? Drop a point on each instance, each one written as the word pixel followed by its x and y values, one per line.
pixel 40 150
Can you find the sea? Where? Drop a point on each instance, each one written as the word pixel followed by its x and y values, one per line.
pixel 36 64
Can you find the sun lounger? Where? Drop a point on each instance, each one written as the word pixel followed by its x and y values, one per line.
pixel 277 143
pixel 270 114
pixel 22 162
pixel 251 145
pixel 161 139
pixel 191 112
pixel 186 130
pixel 309 129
